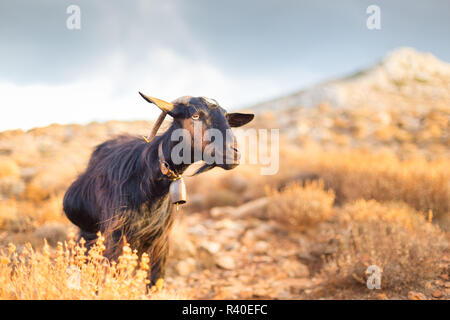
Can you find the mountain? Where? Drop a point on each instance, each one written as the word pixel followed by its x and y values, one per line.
pixel 405 77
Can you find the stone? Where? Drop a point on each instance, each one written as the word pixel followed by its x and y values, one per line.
pixel 255 208
pixel 211 247
pixel 382 296
pixel 261 247
pixel 295 269
pixel 412 295
pixel 225 262
pixel 218 212
pixel 439 283
pixel 185 267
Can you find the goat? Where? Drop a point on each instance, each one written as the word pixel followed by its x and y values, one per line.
pixel 124 192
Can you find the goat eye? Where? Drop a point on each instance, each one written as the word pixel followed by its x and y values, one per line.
pixel 195 116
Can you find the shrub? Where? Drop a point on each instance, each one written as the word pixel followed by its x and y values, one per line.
pixel 397 239
pixel 70 273
pixel 8 168
pixel 424 185
pixel 300 207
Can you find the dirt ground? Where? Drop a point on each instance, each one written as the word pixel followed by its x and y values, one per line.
pixel 241 256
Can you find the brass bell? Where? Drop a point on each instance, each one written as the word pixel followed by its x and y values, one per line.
pixel 177 191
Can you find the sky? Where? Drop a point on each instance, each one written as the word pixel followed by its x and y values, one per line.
pixel 237 52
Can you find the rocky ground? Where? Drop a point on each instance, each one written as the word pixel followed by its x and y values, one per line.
pixel 235 253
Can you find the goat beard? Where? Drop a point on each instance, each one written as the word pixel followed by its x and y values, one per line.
pixel 205 167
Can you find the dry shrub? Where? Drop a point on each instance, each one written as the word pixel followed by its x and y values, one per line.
pixel 8 213
pixel 10 218
pixel 11 187
pixel 70 273
pixel 10 179
pixel 300 207
pixel 399 240
pixel 422 184
pixel 52 232
pixel 48 210
pixel 50 180
pixel 8 168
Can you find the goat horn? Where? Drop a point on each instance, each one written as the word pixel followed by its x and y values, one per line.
pixel 163 105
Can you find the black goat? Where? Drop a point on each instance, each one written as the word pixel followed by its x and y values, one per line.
pixel 124 191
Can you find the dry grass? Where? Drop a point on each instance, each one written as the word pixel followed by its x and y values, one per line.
pixel 8 168
pixel 399 240
pixel 397 163
pixel 354 174
pixel 70 273
pixel 301 207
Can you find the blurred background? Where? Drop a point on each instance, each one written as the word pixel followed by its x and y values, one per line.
pixel 364 148
pixel 238 53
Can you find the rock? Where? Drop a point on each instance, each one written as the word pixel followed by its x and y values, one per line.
pixel 233 246
pixel 211 247
pixel 185 267
pixel 296 285
pixel 382 296
pixel 262 231
pixel 218 212
pixel 255 208
pixel 294 268
pixel 437 294
pixel 228 224
pixel 439 283
pixel 225 262
pixel 246 294
pixel 261 247
pixel 197 230
pixel 184 248
pixel 412 295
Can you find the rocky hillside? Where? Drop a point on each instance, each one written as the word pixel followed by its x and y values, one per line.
pixel 402 103
pixel 404 78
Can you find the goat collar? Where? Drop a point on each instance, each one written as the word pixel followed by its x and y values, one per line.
pixel 177 188
pixel 164 165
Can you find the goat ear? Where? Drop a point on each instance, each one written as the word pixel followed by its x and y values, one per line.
pixel 163 105
pixel 239 119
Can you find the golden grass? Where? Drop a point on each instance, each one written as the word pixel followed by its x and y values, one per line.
pixel 8 168
pixel 70 273
pixel 421 183
pixel 300 207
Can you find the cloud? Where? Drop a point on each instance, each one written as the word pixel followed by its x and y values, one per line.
pixel 110 91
